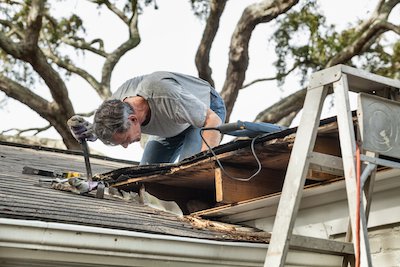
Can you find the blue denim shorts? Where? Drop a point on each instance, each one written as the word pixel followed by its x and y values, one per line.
pixel 217 104
pixel 183 145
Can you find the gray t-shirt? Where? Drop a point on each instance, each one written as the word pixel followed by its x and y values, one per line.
pixel 176 101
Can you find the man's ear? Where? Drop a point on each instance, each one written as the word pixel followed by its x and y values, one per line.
pixel 132 118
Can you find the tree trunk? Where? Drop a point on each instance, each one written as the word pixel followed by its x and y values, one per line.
pixel 262 12
pixel 203 52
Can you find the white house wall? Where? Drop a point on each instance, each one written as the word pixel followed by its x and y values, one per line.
pixel 331 217
pixel 385 246
pixel 330 220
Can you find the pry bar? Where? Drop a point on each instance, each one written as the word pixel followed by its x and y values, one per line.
pixel 87 161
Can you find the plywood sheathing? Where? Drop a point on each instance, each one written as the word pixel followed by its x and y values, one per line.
pixel 203 175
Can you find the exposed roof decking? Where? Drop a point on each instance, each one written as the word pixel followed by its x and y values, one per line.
pixel 200 175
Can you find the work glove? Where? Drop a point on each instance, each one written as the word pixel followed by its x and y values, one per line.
pixel 81 129
pixel 82 186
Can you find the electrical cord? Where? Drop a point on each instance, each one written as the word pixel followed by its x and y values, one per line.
pixel 219 163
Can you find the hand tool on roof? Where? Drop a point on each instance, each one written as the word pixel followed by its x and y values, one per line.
pixel 249 129
pixel 55 174
pixel 85 151
pixel 100 185
pixel 82 131
pixel 75 179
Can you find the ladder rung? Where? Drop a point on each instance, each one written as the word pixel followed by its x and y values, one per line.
pixel 326 163
pixel 319 245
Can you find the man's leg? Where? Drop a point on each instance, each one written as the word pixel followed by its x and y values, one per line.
pixel 192 142
pixel 217 105
pixel 167 150
pixel 158 150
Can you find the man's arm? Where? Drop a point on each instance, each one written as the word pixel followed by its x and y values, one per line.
pixel 212 137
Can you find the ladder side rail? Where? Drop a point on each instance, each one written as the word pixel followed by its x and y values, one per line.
pixel 348 147
pixel 295 177
pixel 350 259
pixel 369 171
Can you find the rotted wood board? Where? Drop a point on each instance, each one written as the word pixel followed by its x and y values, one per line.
pixel 206 174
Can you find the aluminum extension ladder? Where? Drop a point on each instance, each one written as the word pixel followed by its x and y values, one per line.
pixel 341 79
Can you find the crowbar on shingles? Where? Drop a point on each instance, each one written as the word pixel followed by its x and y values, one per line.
pixel 85 150
pixel 100 185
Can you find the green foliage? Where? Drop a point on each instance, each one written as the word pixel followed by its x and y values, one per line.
pixel 201 8
pixel 61 36
pixel 304 39
pixel 142 4
pixel 16 13
pixel 383 60
pixel 17 70
pixel 53 32
pixel 125 5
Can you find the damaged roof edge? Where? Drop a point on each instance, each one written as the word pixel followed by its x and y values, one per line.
pixel 134 247
pixel 63 244
pixel 240 143
pixel 162 168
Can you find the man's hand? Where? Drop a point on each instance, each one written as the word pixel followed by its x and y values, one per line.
pixel 81 129
pixel 213 138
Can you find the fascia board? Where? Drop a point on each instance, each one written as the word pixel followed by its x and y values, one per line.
pixel 65 244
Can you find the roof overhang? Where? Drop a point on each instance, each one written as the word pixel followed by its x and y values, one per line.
pixel 385 208
pixel 55 244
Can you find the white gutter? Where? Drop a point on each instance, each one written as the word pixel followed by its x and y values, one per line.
pixel 66 244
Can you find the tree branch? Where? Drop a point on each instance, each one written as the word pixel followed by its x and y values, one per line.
pixel 27 50
pixel 376 29
pixel 271 78
pixel 283 108
pixel 3 102
pixel 9 46
pixel 369 31
pixel 113 9
pixel 113 58
pixel 21 131
pixel 26 96
pixel 202 58
pixel 74 69
pixel 254 14
pixel 34 24
pixel 54 112
pixel 13 29
pixel 391 27
pixel 82 44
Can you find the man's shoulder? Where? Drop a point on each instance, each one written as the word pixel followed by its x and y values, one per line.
pixel 160 81
pixel 128 88
pixel 158 76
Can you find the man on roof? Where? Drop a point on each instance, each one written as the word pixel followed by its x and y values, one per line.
pixel 171 107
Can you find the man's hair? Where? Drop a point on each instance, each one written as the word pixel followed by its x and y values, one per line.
pixel 110 118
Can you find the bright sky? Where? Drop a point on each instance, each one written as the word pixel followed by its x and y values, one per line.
pixel 170 37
